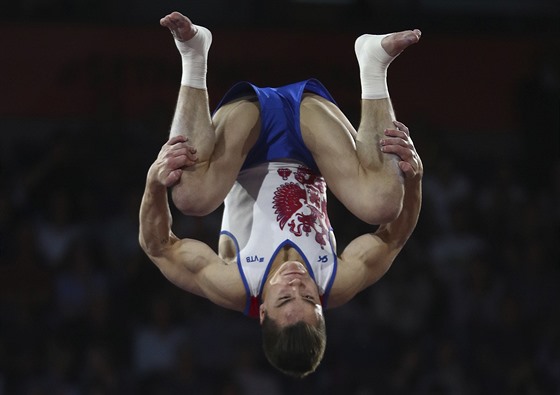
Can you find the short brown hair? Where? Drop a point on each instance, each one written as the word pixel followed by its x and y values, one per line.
pixel 296 349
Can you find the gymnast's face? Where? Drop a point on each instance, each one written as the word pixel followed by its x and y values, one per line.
pixel 290 295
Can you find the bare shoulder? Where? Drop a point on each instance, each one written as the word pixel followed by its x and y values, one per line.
pixel 347 283
pixel 362 263
pixel 223 285
pixel 194 267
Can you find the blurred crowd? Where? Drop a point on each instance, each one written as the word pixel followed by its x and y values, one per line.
pixel 467 308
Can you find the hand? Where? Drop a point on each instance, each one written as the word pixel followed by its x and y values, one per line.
pixel 173 157
pixel 399 143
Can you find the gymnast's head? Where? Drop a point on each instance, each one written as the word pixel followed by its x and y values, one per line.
pixel 291 316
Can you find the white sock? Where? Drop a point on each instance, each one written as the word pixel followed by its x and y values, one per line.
pixel 373 62
pixel 194 54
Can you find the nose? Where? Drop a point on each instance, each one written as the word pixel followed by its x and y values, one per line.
pixel 294 282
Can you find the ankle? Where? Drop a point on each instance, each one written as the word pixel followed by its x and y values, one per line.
pixel 194 55
pixel 373 61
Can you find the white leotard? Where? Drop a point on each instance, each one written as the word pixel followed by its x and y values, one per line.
pixel 272 205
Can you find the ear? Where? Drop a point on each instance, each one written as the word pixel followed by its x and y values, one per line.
pixel 262 313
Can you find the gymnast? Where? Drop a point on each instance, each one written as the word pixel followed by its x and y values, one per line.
pixel 269 154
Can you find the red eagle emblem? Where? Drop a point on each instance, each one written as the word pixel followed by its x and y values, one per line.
pixel 288 200
pixel 302 204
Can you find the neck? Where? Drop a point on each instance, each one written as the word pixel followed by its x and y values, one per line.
pixel 285 254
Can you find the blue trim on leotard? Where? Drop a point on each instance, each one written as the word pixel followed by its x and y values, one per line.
pixel 241 272
pixel 280 136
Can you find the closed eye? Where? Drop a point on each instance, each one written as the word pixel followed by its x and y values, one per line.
pixel 283 300
pixel 286 299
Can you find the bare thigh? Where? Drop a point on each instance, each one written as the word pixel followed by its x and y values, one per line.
pixel 237 127
pixel 332 140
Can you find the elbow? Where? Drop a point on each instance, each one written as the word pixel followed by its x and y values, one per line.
pixel 150 247
pixel 144 245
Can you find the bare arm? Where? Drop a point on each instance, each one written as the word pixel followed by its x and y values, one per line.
pixel 367 258
pixel 187 263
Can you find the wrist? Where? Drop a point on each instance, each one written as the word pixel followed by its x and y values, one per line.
pixel 152 181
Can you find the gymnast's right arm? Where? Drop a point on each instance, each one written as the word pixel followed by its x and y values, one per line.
pixel 189 264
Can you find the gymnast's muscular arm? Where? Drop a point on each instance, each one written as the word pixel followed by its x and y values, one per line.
pixel 189 264
pixel 368 257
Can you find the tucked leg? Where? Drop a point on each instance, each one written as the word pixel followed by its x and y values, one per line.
pixel 220 143
pixel 366 180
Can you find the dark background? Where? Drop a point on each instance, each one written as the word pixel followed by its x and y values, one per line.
pixel 87 92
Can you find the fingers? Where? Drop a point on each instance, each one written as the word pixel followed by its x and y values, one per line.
pixel 177 161
pixel 407 169
pixel 398 147
pixel 176 139
pixel 398 142
pixel 182 151
pixel 394 144
pixel 172 178
pixel 179 147
pixel 175 155
pixel 402 127
pixel 399 136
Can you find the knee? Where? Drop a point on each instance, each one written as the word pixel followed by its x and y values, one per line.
pixel 390 210
pixel 382 214
pixel 381 208
pixel 191 204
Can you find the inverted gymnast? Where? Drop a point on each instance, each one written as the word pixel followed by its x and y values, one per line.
pixel 269 154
